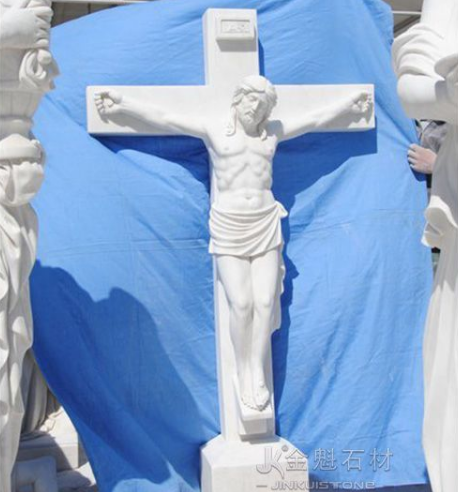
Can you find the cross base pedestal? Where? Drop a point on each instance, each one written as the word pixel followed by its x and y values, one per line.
pixel 253 466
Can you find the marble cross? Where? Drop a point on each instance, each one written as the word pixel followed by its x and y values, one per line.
pixel 241 117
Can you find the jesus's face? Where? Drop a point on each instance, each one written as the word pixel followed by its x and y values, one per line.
pixel 252 109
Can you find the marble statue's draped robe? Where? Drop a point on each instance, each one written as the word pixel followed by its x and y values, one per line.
pixel 18 235
pixel 417 52
pixel 27 70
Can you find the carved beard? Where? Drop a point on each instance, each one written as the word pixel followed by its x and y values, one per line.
pixel 232 123
pixel 249 120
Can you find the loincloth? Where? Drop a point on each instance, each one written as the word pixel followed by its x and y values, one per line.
pixel 246 233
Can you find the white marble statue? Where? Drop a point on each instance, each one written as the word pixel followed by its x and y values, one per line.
pixel 241 117
pixel 426 60
pixel 41 408
pixel 245 228
pixel 26 73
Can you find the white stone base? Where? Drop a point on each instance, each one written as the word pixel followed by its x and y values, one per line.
pixel 61 446
pixel 255 466
pixel 66 450
pixel 35 475
pixel 81 480
pixel 61 442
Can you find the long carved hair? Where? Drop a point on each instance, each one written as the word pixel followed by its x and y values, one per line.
pixel 260 85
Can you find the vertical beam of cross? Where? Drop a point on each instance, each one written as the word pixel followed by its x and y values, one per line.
pixel 231 53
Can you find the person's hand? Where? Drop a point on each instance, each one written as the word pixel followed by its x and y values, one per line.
pixel 108 102
pixel 421 160
pixel 25 28
pixel 361 103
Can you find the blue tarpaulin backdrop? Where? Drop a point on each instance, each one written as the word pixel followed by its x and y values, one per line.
pixel 122 291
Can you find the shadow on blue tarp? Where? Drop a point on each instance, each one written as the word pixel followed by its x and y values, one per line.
pixel 159 393
pixel 123 290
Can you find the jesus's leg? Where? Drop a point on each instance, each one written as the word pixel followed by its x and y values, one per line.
pixel 234 273
pixel 265 272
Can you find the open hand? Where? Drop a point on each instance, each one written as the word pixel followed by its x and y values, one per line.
pixel 362 103
pixel 108 102
pixel 421 160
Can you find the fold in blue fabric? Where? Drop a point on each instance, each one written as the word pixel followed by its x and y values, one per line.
pixel 122 290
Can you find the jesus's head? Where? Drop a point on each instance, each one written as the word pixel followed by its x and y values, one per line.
pixel 252 105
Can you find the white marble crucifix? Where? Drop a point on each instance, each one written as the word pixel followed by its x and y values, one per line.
pixel 241 117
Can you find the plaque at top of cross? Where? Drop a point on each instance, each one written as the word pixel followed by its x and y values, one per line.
pixel 241 117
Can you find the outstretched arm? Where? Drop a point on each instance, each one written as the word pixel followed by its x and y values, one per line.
pixel 358 106
pixel 111 103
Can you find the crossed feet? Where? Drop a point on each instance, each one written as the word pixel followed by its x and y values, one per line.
pixel 253 389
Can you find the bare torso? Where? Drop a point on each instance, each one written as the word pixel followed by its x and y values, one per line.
pixel 243 169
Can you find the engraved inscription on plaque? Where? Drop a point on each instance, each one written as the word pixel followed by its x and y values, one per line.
pixel 228 29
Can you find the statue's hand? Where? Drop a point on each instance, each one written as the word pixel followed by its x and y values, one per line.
pixel 108 102
pixel 361 103
pixel 421 159
pixel 43 17
pixel 25 28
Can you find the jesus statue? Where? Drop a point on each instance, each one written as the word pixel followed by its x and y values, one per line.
pixel 245 219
